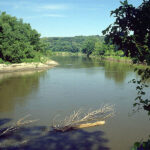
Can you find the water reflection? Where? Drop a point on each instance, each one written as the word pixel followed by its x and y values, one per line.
pixel 117 71
pixel 112 70
pixel 76 62
pixel 14 87
pixel 77 83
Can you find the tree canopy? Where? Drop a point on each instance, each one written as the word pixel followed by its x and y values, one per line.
pixel 69 44
pixel 17 39
pixel 88 47
pixel 131 30
pixel 131 33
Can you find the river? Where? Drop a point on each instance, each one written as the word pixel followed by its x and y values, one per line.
pixel 77 83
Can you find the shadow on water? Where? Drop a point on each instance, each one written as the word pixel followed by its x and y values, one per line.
pixel 38 137
pixel 4 121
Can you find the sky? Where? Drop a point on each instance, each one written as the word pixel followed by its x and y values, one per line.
pixel 64 18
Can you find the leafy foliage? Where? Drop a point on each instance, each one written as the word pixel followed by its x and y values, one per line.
pixel 141 145
pixel 131 30
pixel 131 33
pixel 99 48
pixel 18 40
pixel 88 47
pixel 94 45
pixel 104 49
pixel 142 102
pixel 68 44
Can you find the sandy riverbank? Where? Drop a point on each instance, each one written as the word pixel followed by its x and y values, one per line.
pixel 27 66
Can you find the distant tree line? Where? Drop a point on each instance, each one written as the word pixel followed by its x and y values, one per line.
pixel 69 44
pixel 86 44
pixel 100 48
pixel 18 41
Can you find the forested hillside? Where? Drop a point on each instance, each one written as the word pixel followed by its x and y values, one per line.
pixel 88 45
pixel 69 44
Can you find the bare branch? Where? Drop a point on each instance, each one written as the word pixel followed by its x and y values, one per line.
pixel 21 122
pixel 78 119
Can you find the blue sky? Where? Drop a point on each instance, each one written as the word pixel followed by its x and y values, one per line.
pixel 57 18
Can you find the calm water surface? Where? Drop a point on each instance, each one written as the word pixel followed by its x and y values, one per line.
pixel 76 83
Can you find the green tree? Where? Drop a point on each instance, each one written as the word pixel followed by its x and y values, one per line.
pixel 69 44
pixel 131 30
pixel 99 48
pixel 88 47
pixel 131 33
pixel 18 40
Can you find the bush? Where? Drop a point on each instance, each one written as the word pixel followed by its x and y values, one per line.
pixel 18 41
pixel 141 145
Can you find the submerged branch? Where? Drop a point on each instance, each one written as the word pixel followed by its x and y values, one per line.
pixel 78 119
pixel 21 122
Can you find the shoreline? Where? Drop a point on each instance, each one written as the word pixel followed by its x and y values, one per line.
pixel 4 68
pixel 122 60
pixel 114 59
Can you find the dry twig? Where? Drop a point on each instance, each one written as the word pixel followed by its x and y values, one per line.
pixel 21 122
pixel 81 120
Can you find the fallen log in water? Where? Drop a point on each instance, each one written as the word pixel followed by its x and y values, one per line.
pixel 83 120
pixel 86 125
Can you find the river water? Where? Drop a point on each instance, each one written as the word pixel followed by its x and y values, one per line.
pixel 78 83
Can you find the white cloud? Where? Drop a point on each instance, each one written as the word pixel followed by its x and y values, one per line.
pixel 46 15
pixel 14 5
pixel 54 15
pixel 34 6
pixel 53 7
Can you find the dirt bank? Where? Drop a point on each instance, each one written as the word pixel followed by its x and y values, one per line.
pixel 27 66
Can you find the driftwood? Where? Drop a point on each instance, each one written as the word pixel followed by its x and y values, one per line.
pixel 83 120
pixel 21 122
pixel 86 125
